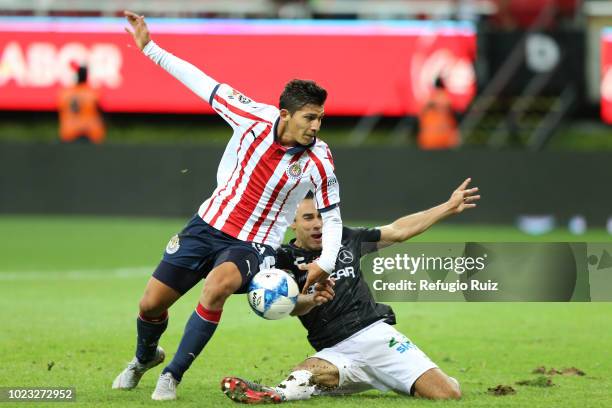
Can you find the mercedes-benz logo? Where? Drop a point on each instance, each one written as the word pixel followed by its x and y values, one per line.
pixel 345 256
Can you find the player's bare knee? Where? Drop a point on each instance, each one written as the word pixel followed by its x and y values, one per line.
pixel 149 308
pixel 448 391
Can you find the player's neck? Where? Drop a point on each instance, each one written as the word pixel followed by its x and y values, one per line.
pixel 283 137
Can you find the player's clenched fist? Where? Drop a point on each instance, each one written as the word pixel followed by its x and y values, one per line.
pixel 141 32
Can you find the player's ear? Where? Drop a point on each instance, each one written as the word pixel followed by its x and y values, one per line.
pixel 285 115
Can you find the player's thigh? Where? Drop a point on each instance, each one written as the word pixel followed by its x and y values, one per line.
pixel 233 270
pixel 435 384
pixel 391 360
pixel 324 373
pixel 157 298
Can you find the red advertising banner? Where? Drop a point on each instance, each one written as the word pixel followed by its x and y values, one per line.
pixel 606 75
pixel 368 67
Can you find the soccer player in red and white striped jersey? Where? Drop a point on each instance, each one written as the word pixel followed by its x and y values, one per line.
pixel 270 163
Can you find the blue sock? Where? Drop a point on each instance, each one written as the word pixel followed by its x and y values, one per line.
pixel 199 329
pixel 149 332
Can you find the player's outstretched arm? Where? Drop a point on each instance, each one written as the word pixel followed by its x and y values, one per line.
pixel 193 78
pixel 323 293
pixel 461 199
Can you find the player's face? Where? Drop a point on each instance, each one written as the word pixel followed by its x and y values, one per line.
pixel 304 124
pixel 308 226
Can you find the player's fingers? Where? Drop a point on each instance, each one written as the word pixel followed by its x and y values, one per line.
pixel 470 205
pixel 469 199
pixel 127 30
pixel 465 183
pixel 319 300
pixel 470 191
pixel 306 286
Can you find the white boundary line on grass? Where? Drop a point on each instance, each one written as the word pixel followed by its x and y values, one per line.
pixel 78 274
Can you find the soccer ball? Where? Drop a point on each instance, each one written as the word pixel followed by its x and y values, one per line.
pixel 273 294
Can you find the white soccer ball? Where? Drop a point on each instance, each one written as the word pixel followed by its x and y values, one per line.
pixel 273 294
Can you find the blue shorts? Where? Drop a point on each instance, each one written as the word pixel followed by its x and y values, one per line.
pixel 199 248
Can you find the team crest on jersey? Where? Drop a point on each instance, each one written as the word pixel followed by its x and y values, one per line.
pixel 173 245
pixel 294 171
pixel 234 94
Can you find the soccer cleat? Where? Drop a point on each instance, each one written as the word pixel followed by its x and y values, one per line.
pixel 248 392
pixel 130 377
pixel 166 388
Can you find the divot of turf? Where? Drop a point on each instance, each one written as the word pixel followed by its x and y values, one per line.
pixel 541 381
pixel 553 371
pixel 501 389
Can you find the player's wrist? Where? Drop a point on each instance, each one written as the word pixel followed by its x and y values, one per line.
pixel 321 269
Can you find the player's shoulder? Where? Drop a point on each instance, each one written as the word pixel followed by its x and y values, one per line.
pixel 320 147
pixel 235 98
pixel 361 234
pixel 323 153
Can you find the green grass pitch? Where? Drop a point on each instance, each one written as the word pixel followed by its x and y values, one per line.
pixel 70 287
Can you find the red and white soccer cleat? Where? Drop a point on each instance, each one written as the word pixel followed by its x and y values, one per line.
pixel 248 392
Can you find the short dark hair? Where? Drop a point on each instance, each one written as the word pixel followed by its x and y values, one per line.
pixel 309 195
pixel 299 93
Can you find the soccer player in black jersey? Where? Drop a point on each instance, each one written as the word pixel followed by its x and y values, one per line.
pixel 357 348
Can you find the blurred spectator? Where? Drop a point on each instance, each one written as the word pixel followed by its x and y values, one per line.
pixel 80 119
pixel 293 9
pixel 437 122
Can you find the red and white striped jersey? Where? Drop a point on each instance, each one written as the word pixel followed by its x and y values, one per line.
pixel 259 182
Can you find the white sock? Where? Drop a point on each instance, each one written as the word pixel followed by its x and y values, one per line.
pixel 296 387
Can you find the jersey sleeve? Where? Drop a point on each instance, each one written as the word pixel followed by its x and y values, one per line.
pixel 327 189
pixel 364 239
pixel 237 109
pixel 192 77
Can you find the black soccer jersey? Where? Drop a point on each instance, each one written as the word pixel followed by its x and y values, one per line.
pixel 353 307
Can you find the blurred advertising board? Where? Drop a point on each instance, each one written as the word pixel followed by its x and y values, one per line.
pixel 606 75
pixel 556 57
pixel 368 67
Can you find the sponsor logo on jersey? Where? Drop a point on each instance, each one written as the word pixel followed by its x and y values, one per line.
pixel 234 94
pixel 294 171
pixel 332 181
pixel 345 256
pixel 173 245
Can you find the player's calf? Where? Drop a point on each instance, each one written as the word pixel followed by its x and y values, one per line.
pixel 324 374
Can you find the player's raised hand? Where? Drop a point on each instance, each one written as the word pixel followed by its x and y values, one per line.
pixel 463 197
pixel 324 292
pixel 141 32
pixel 315 274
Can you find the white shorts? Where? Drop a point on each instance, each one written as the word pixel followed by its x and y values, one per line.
pixel 377 357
